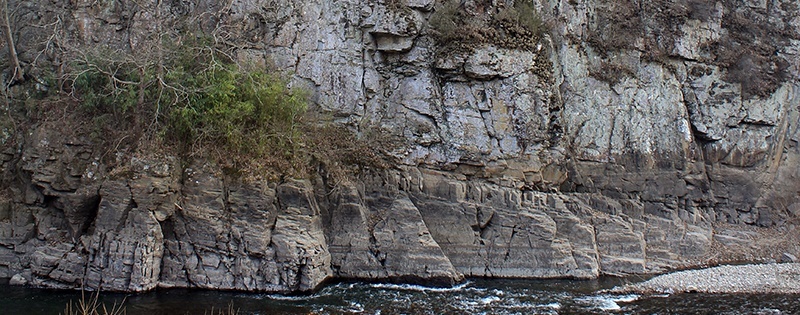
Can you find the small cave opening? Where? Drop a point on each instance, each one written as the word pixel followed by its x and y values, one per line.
pixel 88 211
pixel 168 229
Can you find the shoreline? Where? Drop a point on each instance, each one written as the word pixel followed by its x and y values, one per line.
pixel 771 278
pixel 751 278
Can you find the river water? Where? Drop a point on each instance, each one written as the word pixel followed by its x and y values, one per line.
pixel 477 296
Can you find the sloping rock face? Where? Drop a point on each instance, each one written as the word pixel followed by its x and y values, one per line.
pixel 635 137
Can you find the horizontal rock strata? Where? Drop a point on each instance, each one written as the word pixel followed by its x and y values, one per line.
pixel 628 138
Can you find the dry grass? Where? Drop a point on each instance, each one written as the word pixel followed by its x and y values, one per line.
pixel 611 72
pixel 91 305
pixel 761 244
pixel 748 50
pixel 230 310
pixel 342 153
pixel 515 27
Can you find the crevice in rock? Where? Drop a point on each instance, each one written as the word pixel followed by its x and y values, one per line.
pixel 374 247
pixel 199 269
pixel 429 117
pixel 510 241
pixel 701 138
pixel 484 229
pixel 91 208
pixel 50 201
pixel 755 123
pixel 227 212
pixel 597 249
pixel 123 219
pixel 273 228
pixel 168 229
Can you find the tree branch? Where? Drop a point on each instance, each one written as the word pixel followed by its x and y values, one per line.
pixel 19 74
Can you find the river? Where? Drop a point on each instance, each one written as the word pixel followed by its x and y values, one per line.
pixel 476 296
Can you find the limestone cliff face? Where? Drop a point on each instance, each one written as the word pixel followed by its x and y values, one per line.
pixel 635 137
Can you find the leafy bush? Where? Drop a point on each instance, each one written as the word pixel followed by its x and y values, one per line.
pixel 105 83
pixel 244 112
pixel 195 98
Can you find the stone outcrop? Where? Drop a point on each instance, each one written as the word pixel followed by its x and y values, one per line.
pixel 383 236
pixel 585 156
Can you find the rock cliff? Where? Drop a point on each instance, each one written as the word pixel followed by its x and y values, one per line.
pixel 632 137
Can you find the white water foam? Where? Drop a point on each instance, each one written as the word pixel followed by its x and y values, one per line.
pixel 419 288
pixel 608 302
pixel 327 291
pixel 498 292
pixel 554 305
pixel 516 305
pixel 472 303
pixel 626 298
pixel 475 289
pixel 355 308
pixel 279 297
pixel 608 305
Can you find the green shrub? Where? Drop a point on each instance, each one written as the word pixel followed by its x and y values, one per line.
pixel 245 112
pixel 195 97
pixel 105 85
pixel 196 100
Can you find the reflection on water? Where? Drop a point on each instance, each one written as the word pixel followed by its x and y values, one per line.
pixel 477 296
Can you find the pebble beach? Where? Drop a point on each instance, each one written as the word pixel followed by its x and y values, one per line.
pixel 761 278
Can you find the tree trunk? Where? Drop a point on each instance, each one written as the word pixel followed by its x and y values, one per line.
pixel 19 74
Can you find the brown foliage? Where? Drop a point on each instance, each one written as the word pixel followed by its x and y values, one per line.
pixel 344 153
pixel 457 27
pixel 611 72
pixel 749 49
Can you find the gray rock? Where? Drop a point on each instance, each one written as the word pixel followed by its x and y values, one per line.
pixel 236 237
pixel 393 43
pixel 385 237
pixel 425 5
pixel 491 62
pixel 18 279
pixel 788 258
pixel 517 164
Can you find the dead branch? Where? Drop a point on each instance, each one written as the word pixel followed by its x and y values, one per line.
pixel 19 74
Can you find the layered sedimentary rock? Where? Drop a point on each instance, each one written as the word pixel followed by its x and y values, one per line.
pixel 586 155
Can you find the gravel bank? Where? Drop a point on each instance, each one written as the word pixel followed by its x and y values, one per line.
pixel 766 278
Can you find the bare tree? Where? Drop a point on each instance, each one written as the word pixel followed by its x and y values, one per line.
pixel 18 73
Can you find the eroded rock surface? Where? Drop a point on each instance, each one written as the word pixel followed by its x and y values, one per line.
pixel 590 154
